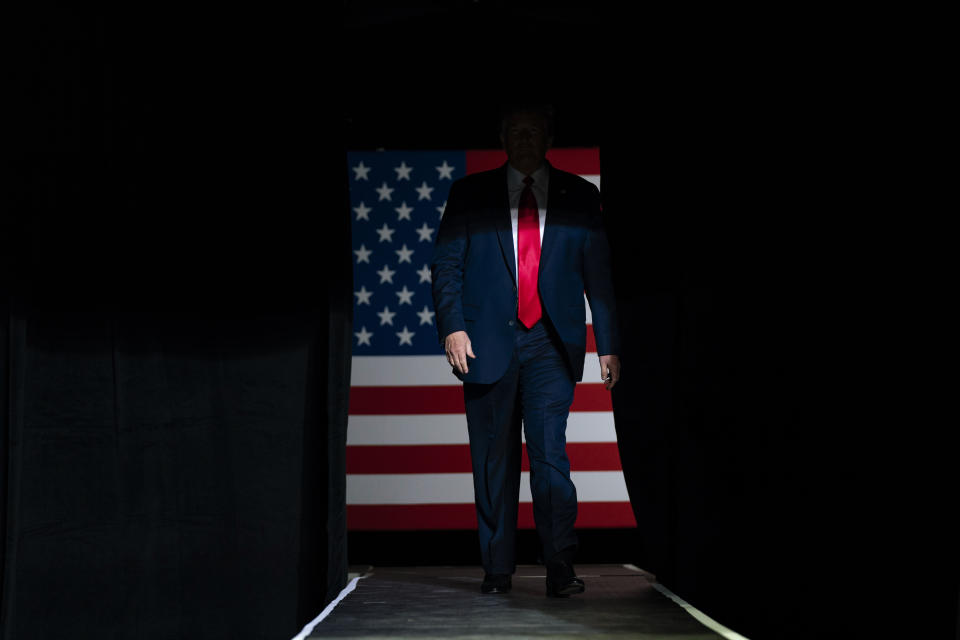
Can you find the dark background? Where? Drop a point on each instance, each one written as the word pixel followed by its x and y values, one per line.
pixel 177 309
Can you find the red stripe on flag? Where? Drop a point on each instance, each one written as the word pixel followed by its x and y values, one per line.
pixel 455 458
pixel 591 342
pixel 379 401
pixel 407 517
pixel 485 159
pixel 584 162
pixel 420 458
pixel 589 456
pixel 406 400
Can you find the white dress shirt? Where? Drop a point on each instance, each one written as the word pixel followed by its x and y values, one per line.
pixel 515 185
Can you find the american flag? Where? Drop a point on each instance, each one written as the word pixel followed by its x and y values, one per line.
pixel 408 457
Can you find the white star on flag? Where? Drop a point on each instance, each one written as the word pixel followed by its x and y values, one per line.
pixel 446 171
pixel 363 296
pixel 425 275
pixel 404 254
pixel 386 233
pixel 361 172
pixel 406 296
pixel 426 233
pixel 424 191
pixel 403 211
pixel 386 316
pixel 363 336
pixel 426 316
pixel 403 171
pixel 384 192
pixel 386 274
pixel 406 336
pixel 363 211
pixel 441 208
pixel 363 254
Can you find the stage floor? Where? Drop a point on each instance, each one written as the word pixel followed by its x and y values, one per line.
pixel 445 602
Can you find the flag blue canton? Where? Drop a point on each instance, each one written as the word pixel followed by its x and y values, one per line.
pixel 396 203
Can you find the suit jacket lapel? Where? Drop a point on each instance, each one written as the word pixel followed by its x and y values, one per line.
pixel 504 228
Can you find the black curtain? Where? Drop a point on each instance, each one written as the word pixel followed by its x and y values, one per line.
pixel 775 416
pixel 167 474
pixel 175 320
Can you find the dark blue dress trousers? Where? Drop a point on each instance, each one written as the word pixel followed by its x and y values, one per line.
pixel 537 390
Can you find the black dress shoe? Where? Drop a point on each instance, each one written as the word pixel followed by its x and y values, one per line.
pixel 496 583
pixel 562 581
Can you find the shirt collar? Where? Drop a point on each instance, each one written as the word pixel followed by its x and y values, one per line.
pixel 515 178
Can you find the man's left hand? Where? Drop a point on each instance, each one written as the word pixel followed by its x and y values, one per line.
pixel 610 370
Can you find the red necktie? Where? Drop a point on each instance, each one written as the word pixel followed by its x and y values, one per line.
pixel 528 257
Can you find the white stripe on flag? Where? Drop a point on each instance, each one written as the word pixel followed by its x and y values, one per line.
pixel 425 371
pixel 453 488
pixel 451 428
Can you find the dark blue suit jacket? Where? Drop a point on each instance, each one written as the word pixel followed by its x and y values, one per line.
pixel 474 270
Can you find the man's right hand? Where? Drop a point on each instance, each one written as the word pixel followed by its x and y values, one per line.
pixel 458 348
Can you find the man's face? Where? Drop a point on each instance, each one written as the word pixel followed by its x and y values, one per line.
pixel 525 140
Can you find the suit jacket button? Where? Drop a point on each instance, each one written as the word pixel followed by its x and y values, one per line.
pixel 509 323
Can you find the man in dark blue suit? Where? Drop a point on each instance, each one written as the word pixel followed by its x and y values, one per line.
pixel 517 249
